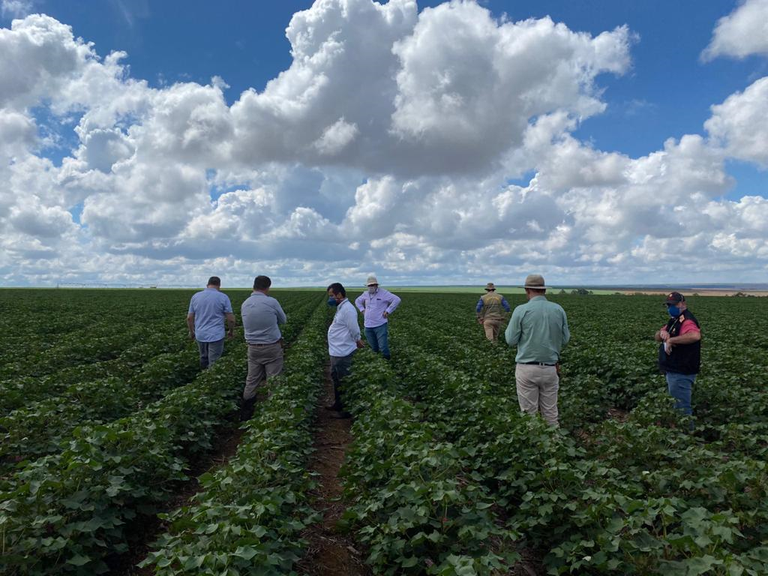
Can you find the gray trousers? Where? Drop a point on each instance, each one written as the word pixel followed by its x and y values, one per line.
pixel 340 366
pixel 210 352
pixel 537 388
pixel 264 361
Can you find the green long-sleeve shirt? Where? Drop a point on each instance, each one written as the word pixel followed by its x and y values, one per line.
pixel 539 329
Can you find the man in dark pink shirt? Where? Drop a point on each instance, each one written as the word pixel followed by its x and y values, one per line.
pixel 680 350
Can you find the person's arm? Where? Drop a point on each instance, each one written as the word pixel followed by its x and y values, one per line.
pixel 479 311
pixel 394 302
pixel 231 323
pixel 566 331
pixel 662 335
pixel 515 328
pixel 281 317
pixel 505 304
pixel 191 324
pixel 350 321
pixel 360 302
pixel 687 338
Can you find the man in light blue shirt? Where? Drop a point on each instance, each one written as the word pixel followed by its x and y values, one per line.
pixel 262 316
pixel 207 311
pixel 539 329
pixel 343 341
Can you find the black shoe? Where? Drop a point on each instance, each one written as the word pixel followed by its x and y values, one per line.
pixel 246 410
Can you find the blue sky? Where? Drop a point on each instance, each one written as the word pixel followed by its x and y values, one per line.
pixel 654 82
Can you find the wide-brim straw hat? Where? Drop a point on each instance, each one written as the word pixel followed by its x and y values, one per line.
pixel 535 282
pixel 490 286
pixel 372 281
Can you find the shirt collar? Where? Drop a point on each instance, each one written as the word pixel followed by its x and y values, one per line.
pixel 538 298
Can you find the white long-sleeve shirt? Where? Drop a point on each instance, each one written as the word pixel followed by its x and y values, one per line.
pixel 344 332
pixel 374 305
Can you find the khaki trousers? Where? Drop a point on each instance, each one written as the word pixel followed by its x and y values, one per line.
pixel 263 362
pixel 537 388
pixel 492 326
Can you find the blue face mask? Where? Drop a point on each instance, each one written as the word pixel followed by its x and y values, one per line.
pixel 332 301
pixel 674 311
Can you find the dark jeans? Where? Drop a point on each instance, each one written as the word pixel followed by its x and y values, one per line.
pixel 210 352
pixel 378 339
pixel 340 366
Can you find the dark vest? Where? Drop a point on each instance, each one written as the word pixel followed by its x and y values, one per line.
pixel 685 358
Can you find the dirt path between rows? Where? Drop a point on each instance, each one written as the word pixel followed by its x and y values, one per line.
pixel 330 553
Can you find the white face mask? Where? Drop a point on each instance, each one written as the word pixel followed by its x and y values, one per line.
pixel 372 290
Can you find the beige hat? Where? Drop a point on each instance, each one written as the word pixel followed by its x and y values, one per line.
pixel 490 286
pixel 372 280
pixel 535 282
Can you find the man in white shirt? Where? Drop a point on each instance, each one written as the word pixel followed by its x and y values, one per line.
pixel 343 341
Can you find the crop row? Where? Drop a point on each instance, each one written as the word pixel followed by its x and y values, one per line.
pixel 75 510
pixel 249 515
pixel 638 497
pixel 39 427
pixel 19 391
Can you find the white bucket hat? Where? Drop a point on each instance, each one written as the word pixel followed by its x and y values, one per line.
pixel 372 281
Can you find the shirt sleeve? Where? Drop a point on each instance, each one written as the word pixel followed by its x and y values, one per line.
pixel 689 326
pixel 281 317
pixel 227 305
pixel 505 304
pixel 191 306
pixel 479 306
pixel 350 320
pixel 359 301
pixel 394 302
pixel 515 327
pixel 566 331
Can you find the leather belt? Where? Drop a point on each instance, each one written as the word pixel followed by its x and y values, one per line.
pixel 536 364
pixel 262 345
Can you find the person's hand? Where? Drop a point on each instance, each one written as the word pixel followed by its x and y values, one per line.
pixel 360 344
pixel 479 320
pixel 231 333
pixel 385 314
pixel 664 335
pixel 668 346
pixel 191 335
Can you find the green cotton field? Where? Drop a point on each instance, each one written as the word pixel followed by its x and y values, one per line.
pixel 112 458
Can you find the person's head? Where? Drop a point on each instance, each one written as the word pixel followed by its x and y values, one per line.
pixel 372 283
pixel 490 287
pixel 675 304
pixel 337 291
pixel 214 282
pixel 535 286
pixel 262 284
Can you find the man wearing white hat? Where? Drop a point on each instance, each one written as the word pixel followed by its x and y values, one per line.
pixel 377 304
pixel 539 329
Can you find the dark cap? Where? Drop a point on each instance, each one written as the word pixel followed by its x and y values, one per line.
pixel 675 298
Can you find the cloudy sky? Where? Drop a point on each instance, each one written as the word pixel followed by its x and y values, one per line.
pixel 600 142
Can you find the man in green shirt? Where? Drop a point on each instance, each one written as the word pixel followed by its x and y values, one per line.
pixel 539 329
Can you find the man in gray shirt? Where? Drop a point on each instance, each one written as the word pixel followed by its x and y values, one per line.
pixel 261 316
